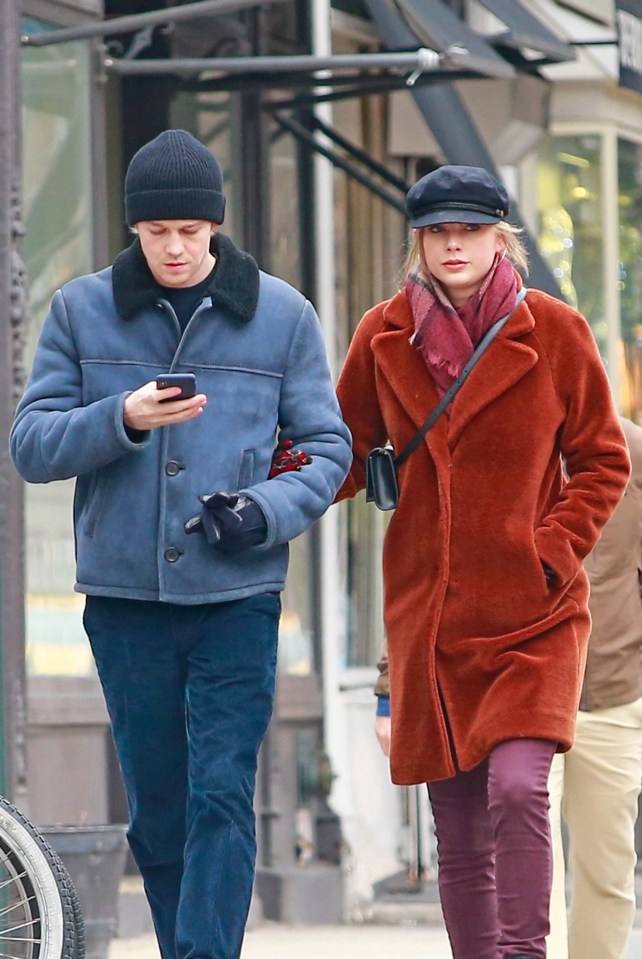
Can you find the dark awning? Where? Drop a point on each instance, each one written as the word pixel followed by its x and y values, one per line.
pixel 429 21
pixel 524 30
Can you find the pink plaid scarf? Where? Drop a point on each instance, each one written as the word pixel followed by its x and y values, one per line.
pixel 446 337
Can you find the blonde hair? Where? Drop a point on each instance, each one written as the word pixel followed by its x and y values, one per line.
pixel 414 260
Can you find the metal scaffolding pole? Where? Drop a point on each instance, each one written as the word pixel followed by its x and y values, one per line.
pixel 305 136
pixel 419 61
pixel 13 299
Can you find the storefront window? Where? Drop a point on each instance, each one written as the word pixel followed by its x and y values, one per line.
pixel 212 118
pixel 296 636
pixel 365 530
pixel 58 247
pixel 570 224
pixel 285 246
pixel 366 273
pixel 630 275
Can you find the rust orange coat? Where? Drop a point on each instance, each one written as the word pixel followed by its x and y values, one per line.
pixel 481 650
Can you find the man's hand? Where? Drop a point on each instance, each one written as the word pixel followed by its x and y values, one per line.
pixel 230 522
pixel 145 411
pixel 382 732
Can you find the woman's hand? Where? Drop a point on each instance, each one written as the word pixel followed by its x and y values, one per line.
pixel 382 732
pixel 144 409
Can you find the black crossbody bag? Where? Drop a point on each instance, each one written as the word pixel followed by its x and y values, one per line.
pixel 382 481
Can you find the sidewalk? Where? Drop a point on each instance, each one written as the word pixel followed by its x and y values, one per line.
pixel 395 930
pixel 276 941
pixel 411 930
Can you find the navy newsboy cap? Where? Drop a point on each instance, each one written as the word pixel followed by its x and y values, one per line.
pixel 457 194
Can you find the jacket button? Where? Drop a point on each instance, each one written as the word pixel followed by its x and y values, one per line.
pixel 172 468
pixel 172 554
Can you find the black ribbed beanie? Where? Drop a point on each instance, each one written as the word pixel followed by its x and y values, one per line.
pixel 174 177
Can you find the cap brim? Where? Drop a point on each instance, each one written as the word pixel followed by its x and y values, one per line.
pixel 453 216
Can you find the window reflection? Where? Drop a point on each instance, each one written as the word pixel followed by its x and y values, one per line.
pixel 366 274
pixel 570 225
pixel 630 274
pixel 296 630
pixel 570 234
pixel 212 117
pixel 58 247
pixel 56 170
pixel 365 531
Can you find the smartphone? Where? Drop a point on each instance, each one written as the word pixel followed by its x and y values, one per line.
pixel 186 381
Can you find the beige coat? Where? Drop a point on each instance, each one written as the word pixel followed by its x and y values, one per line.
pixel 614 666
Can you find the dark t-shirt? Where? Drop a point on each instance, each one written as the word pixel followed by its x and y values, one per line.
pixel 184 300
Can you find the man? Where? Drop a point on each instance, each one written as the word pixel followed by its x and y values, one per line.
pixel 181 535
pixel 597 783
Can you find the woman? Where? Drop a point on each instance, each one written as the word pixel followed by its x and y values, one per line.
pixel 485 597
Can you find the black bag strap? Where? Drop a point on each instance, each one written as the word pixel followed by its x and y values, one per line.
pixel 449 396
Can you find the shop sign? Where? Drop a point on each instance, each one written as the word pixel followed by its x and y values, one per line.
pixel 629 35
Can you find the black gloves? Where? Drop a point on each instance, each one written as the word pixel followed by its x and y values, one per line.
pixel 230 522
pixel 233 523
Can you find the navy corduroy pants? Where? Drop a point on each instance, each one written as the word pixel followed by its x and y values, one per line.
pixel 189 690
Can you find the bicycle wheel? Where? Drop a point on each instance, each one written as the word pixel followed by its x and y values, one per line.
pixel 39 911
pixel 78 948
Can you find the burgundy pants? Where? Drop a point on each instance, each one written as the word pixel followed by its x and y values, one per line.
pixel 494 852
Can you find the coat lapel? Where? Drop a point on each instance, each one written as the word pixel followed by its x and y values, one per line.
pixel 406 372
pixel 506 361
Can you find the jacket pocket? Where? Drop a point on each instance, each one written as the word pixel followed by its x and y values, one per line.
pixel 246 469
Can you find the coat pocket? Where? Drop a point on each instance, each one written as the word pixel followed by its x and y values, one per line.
pixel 94 503
pixel 246 469
pixel 548 619
pixel 544 586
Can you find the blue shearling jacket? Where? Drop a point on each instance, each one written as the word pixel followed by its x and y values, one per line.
pixel 257 350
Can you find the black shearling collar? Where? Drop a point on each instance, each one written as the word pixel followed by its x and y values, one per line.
pixel 234 285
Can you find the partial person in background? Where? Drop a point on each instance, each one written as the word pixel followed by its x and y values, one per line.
pixel 597 783
pixel 485 597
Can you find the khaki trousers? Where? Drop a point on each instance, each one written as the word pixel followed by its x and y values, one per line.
pixel 595 786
